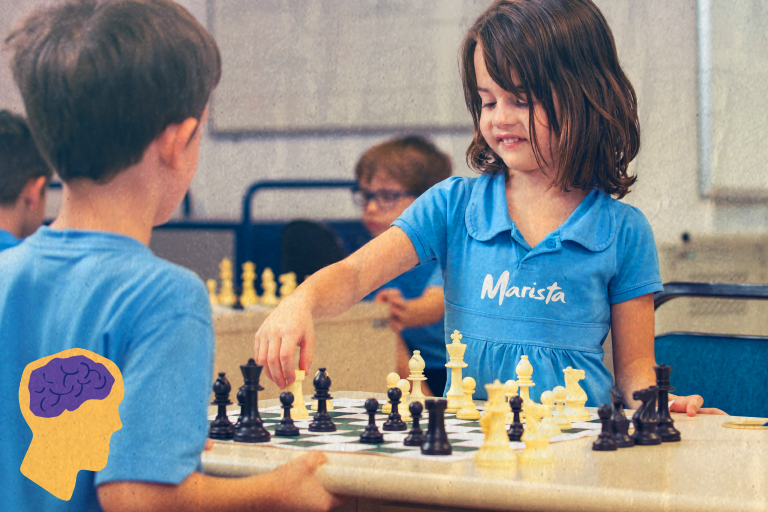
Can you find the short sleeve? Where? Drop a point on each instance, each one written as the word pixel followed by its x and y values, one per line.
pixel 167 372
pixel 432 218
pixel 637 261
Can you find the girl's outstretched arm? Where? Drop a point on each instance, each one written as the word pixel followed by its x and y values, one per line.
pixel 327 293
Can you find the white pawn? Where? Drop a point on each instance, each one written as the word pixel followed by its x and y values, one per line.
pixel 402 408
pixel 269 297
pixel 510 390
pixel 392 379
pixel 548 425
pixel 299 410
pixel 559 415
pixel 469 411
pixel 212 296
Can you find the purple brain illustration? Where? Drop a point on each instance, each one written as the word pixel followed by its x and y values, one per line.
pixel 65 384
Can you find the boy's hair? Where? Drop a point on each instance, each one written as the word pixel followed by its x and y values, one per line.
pixel 560 48
pixel 412 161
pixel 101 79
pixel 20 161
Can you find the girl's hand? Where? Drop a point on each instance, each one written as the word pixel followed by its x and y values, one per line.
pixel 692 405
pixel 424 310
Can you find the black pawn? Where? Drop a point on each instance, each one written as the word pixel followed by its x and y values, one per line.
pixel 221 427
pixel 371 435
pixel 251 429
pixel 242 405
pixel 415 436
pixel 436 440
pixel 620 422
pixel 394 421
pixel 287 428
pixel 515 432
pixel 322 421
pixel 645 418
pixel 605 442
pixel 666 428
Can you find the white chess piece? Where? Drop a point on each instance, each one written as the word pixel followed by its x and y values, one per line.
pixel 416 365
pixel 456 362
pixel 405 388
pixel 510 390
pixel 469 411
pixel 524 371
pixel 249 296
pixel 392 379
pixel 575 396
pixel 269 297
pixel 495 451
pixel 537 449
pixel 559 415
pixel 227 295
pixel 299 410
pixel 548 425
pixel 212 296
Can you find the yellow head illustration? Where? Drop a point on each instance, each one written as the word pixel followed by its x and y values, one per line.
pixel 70 401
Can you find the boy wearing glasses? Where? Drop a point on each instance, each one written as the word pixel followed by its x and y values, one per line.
pixel 390 177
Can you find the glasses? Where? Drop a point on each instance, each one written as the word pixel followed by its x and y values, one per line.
pixel 385 199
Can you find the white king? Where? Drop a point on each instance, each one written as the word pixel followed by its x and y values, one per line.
pixel 455 394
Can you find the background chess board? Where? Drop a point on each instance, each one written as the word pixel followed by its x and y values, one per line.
pixel 350 418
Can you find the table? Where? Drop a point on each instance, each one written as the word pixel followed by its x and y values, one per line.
pixel 713 468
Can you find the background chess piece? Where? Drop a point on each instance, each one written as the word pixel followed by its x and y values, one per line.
pixel 548 425
pixel 561 418
pixel 288 284
pixel 227 295
pixel 619 421
pixel 456 362
pixel 605 442
pixel 269 287
pixel 249 297
pixel 221 427
pixel 392 380
pixel 495 451
pixel 510 391
pixel 405 389
pixel 645 419
pixel 537 449
pixel 212 296
pixel 516 430
pixel 666 428
pixel 575 396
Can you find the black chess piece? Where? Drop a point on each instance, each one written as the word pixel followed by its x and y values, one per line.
pixel 415 436
pixel 394 421
pixel 251 429
pixel 436 440
pixel 515 432
pixel 605 442
pixel 242 405
pixel 645 419
pixel 221 427
pixel 287 428
pixel 666 428
pixel 371 435
pixel 322 421
pixel 620 422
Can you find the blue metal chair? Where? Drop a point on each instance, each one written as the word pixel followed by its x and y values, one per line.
pixel 729 371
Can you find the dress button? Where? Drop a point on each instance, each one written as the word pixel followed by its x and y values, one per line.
pixel 551 244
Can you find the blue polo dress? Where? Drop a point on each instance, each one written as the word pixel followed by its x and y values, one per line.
pixel 7 240
pixel 550 302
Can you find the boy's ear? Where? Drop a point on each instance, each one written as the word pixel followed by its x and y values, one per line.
pixel 33 192
pixel 175 139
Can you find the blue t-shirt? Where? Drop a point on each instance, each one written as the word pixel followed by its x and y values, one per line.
pixel 7 240
pixel 428 339
pixel 109 294
pixel 550 302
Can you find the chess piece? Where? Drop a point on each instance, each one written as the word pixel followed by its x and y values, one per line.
pixel 300 411
pixel 416 365
pixel 510 391
pixel 249 297
pixel 241 403
pixel 575 396
pixel 666 428
pixel 394 422
pixel 620 422
pixel 456 362
pixel 415 436
pixel 227 295
pixel 371 434
pixel 436 440
pixel 288 284
pixel 645 419
pixel 548 425
pixel 405 389
pixel 251 429
pixel 537 449
pixel 286 428
pixel 524 371
pixel 469 411
pixel 495 451
pixel 268 285
pixel 516 430
pixel 605 442
pixel 211 285
pixel 563 423
pixel 322 421
pixel 392 380
pixel 221 427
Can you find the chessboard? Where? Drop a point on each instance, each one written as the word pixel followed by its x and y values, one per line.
pixel 350 418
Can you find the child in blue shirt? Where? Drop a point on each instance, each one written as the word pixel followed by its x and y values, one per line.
pixel 538 258
pixel 24 177
pixel 116 93
pixel 390 176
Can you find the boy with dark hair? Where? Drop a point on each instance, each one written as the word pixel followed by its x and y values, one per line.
pixel 116 92
pixel 24 177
